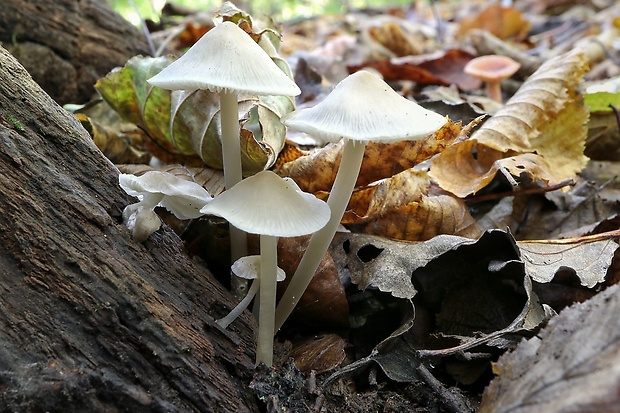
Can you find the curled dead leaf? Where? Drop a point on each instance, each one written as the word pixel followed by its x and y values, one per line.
pixel 401 207
pixel 319 353
pixel 542 128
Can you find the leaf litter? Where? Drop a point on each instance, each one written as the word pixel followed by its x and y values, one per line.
pixel 459 247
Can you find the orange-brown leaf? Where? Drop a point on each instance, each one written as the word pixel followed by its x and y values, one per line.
pixel 316 171
pixel 401 207
pixel 503 22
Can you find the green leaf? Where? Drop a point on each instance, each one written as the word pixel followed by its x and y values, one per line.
pixel 189 121
pixel 601 101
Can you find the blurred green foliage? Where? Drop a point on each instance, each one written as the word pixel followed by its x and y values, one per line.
pixel 281 10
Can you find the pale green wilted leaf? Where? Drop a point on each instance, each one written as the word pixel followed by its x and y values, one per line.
pixel 188 122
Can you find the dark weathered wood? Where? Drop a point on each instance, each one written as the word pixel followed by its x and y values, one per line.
pixel 89 319
pixel 66 45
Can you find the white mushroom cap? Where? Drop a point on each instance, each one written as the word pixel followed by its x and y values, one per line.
pixel 269 205
pixel 249 268
pixel 226 59
pixel 182 198
pixel 363 107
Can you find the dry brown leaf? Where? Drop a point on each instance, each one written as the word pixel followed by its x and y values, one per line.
pixel 375 200
pixel 444 70
pixel 465 168
pixel 320 353
pixel 571 365
pixel 316 171
pixel 526 118
pixel 423 220
pixel 401 207
pixel 392 36
pixel 324 303
pixel 503 22
pixel 542 127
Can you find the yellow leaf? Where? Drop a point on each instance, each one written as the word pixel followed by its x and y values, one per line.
pixel 465 168
pixel 545 119
pixel 539 101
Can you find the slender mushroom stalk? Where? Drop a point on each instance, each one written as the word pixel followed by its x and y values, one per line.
pixel 231 162
pixel 361 108
pixel 182 198
pixel 249 268
pixel 492 70
pixel 227 61
pixel 272 207
pixel 267 296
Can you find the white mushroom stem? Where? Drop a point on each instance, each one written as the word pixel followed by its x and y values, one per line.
pixel 231 158
pixel 224 322
pixel 267 298
pixel 141 219
pixel 350 164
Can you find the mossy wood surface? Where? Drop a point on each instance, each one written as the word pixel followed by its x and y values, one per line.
pixel 89 319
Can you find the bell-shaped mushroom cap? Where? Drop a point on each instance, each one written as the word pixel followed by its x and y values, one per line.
pixel 363 107
pixel 491 68
pixel 226 59
pixel 269 205
pixel 182 198
pixel 248 267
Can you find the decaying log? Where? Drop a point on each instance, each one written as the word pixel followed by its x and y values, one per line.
pixel 67 45
pixel 89 319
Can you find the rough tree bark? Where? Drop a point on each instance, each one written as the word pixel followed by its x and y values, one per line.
pixel 89 319
pixel 67 45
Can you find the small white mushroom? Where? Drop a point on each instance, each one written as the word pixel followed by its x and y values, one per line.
pixel 248 268
pixel 182 198
pixel 227 61
pixel 272 207
pixel 361 108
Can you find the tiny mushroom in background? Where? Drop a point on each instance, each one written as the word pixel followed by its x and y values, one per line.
pixel 492 70
pixel 360 109
pixel 226 60
pixel 272 207
pixel 182 198
pixel 248 268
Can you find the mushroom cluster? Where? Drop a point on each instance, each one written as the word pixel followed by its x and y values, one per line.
pixel 271 207
pixel 361 108
pixel 227 61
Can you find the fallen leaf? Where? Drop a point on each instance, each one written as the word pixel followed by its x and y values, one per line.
pixel 316 171
pixel 319 353
pixel 589 261
pixel 542 127
pixel 393 71
pixel 503 22
pixel 571 365
pixel 474 293
pixel 449 67
pixel 323 304
pixel 120 142
pixel 392 36
pixel 388 265
pixel 401 207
